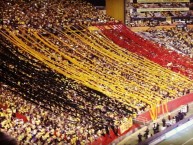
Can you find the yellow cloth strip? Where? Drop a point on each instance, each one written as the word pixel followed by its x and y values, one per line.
pixel 113 80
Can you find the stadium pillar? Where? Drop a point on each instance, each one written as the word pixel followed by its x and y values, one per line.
pixel 116 9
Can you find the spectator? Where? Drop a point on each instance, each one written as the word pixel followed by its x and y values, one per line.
pixel 139 137
pixel 7 140
pixel 146 133
pixel 187 106
pixel 164 122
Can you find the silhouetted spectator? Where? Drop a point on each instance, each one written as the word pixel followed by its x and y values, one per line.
pixel 187 108
pixel 177 118
pixel 180 115
pixel 139 137
pixel 154 130
pixel 169 117
pixel 157 128
pixel 164 122
pixel 146 133
pixel 7 140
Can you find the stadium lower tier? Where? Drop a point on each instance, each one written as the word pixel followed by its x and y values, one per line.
pixel 104 139
pixel 79 83
pixel 43 88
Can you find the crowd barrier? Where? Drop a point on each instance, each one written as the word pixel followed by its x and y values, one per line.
pixel 168 132
pixel 141 29
pixel 172 105
pixel 107 139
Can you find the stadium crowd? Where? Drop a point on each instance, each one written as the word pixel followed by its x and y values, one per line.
pixel 159 5
pixel 71 113
pixel 160 14
pixel 167 38
pixel 138 15
pixel 46 13
pixel 72 106
pixel 44 126
pixel 148 14
pixel 59 110
pixel 147 23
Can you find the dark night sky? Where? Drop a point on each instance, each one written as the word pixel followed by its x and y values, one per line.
pixel 97 2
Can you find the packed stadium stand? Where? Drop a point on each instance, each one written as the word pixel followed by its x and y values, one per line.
pixel 167 38
pixel 72 75
pixel 157 12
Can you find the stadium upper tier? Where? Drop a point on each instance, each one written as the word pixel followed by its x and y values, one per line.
pixel 153 13
pixel 48 13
